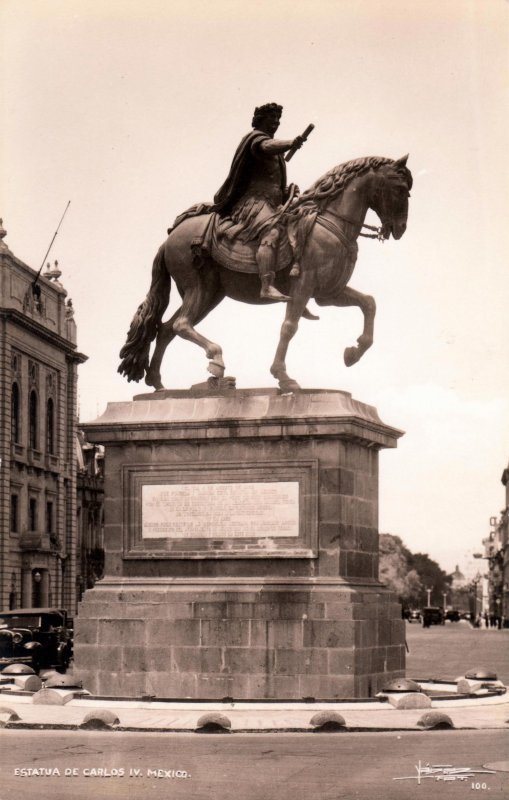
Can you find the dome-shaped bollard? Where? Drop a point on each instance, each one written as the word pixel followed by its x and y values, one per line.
pixel 481 674
pixel 18 669
pixel 403 694
pixel 213 723
pixel 8 715
pixel 28 683
pixel 434 721
pixel 479 681
pixel 100 719
pixel 49 697
pixel 401 685
pixel 327 722
pixel 67 681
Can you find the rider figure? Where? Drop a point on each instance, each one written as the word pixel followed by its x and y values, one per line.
pixel 255 190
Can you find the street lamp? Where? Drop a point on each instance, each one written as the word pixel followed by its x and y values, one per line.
pixel 429 590
pixel 444 595
pixel 474 585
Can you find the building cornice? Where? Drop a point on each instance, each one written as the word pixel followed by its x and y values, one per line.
pixel 42 332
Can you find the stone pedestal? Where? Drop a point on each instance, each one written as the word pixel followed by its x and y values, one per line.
pixel 241 545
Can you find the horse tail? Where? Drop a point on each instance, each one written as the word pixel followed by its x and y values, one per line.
pixel 145 323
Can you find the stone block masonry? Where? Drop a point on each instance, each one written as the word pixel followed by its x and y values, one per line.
pixel 201 601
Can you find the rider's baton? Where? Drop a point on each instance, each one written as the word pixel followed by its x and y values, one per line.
pixel 291 152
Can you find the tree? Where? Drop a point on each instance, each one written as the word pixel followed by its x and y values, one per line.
pixel 394 570
pixel 432 577
pixel 409 574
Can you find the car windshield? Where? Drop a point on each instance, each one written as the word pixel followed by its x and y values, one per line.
pixel 21 621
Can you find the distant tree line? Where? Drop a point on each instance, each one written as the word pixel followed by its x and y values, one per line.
pixel 409 575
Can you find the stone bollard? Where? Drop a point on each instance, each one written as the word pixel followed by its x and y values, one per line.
pixel 52 697
pixel 327 722
pixel 213 723
pixel 28 683
pixel 100 720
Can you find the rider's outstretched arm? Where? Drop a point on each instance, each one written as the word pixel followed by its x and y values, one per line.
pixel 275 146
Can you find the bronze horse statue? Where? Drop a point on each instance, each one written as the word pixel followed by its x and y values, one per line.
pixel 327 219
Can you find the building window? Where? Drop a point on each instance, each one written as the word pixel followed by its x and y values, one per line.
pixel 32 513
pixel 49 517
pixel 15 413
pixel 32 421
pixel 50 427
pixel 14 513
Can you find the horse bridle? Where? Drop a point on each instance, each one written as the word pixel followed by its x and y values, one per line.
pixel 327 223
pixel 379 230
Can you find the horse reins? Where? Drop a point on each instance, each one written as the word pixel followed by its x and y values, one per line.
pixel 379 230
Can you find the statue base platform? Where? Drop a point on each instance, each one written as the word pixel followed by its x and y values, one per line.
pixel 241 546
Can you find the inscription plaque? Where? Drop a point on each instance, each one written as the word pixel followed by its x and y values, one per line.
pixel 220 510
pixel 241 509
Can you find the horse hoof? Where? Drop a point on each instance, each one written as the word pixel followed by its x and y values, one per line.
pixel 351 356
pixel 289 387
pixel 154 383
pixel 216 369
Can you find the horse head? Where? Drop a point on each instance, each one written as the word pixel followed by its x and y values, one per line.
pixel 390 192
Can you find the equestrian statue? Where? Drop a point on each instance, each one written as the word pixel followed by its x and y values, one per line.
pixel 262 242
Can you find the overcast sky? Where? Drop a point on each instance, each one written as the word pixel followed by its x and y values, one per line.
pixel 132 110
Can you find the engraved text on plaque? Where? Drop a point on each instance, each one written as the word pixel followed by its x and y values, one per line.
pixel 220 510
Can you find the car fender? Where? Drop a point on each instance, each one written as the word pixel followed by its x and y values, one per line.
pixel 32 646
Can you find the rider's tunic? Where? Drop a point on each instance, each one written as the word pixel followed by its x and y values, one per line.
pixel 250 200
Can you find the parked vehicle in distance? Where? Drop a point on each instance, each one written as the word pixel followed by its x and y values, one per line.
pixel 38 637
pixel 453 615
pixel 414 615
pixel 432 615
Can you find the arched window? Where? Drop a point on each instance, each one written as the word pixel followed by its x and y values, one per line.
pixel 50 427
pixel 32 421
pixel 15 413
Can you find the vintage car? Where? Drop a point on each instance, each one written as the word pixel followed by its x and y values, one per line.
pixel 432 615
pixel 414 615
pixel 39 637
pixel 453 615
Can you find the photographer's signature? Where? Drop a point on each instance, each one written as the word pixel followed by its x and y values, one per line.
pixel 444 772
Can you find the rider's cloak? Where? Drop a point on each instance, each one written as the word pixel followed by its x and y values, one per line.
pixel 241 172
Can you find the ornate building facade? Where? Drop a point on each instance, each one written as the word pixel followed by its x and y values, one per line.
pixel 504 530
pixel 39 561
pixel 496 553
pixel 90 514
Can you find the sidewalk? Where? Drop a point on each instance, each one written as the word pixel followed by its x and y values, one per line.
pixel 68 708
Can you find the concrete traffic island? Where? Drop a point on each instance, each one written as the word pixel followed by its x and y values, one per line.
pixel 241 537
pixel 436 705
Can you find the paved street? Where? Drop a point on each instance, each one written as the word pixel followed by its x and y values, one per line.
pixel 249 767
pixel 446 651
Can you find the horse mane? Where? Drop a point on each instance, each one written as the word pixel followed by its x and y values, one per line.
pixel 337 179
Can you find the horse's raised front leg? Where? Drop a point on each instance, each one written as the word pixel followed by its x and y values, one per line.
pixel 294 311
pixel 351 297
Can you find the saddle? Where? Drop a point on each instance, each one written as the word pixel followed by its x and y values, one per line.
pixel 221 244
pixel 217 240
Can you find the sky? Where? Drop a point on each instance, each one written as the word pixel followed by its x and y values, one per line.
pixel 133 110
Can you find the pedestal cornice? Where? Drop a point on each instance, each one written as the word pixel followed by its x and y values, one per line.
pixel 245 414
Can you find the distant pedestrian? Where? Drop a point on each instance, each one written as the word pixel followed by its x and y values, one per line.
pixel 486 620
